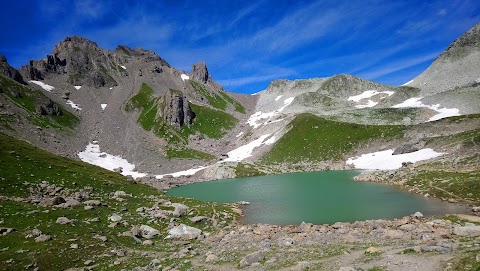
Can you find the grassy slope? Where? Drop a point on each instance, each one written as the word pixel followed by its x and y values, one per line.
pixel 217 101
pixel 22 166
pixel 27 99
pixel 209 122
pixel 312 138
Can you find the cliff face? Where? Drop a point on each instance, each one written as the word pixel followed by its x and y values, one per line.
pixel 9 71
pixel 176 111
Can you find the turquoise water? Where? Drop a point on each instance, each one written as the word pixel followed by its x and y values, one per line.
pixel 314 197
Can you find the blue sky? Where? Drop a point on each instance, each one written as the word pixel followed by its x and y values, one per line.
pixel 246 44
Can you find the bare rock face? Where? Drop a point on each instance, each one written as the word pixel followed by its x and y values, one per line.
pixel 48 107
pixel 82 60
pixel 176 111
pixel 200 72
pixel 9 71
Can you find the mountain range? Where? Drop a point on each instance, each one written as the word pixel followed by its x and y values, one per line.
pixel 132 105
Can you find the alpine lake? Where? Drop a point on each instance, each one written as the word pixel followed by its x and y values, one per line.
pixel 322 197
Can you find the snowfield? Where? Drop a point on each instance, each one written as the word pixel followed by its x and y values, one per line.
pixel 256 120
pixel 442 112
pixel 385 160
pixel 245 151
pixel 73 105
pixel 123 67
pixel 77 87
pixel 368 94
pixel 94 156
pixel 184 77
pixel 43 85
pixel 103 106
pixel 187 172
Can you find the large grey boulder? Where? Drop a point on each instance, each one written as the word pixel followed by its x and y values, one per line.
pixel 409 147
pixel 184 232
pixel 469 229
pixel 148 232
pixel 48 107
pixel 180 209
pixel 252 258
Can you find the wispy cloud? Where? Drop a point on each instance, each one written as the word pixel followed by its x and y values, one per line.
pixel 396 66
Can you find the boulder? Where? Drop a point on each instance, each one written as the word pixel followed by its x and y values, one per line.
pixel 198 219
pixel 48 107
pixel 409 147
pixel 148 232
pixel 252 258
pixel 184 232
pixel 418 215
pixel 43 238
pixel 180 209
pixel 372 250
pixel 469 229
pixel 115 218
pixel 63 221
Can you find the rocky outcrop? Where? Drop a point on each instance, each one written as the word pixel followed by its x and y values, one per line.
pixel 200 72
pixel 176 111
pixel 81 59
pixel 9 71
pixel 344 85
pixel 409 147
pixel 48 107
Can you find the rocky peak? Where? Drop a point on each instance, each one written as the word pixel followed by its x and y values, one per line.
pixel 464 45
pixel 200 72
pixel 80 59
pixel 9 71
pixel 345 84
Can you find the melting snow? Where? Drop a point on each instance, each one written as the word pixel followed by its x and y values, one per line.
pixel 92 155
pixel 368 94
pixel 182 173
pixel 270 141
pixel 244 151
pixel 385 160
pixel 442 112
pixel 77 87
pixel 73 105
pixel 278 97
pixel 408 83
pixel 103 106
pixel 184 77
pixel 255 119
pixel 239 135
pixel 43 85
pixel 123 67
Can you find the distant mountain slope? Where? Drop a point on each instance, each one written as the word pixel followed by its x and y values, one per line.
pixel 457 66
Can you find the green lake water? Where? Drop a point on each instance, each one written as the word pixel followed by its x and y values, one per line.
pixel 314 197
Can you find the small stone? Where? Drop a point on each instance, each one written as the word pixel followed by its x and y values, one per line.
pixel 63 220
pixel 252 258
pixel 476 209
pixel 477 258
pixel 198 219
pixel 88 262
pixel 92 203
pixel 74 246
pixel 101 238
pixel 148 243
pixel 372 250
pixel 148 232
pixel 115 218
pixel 88 208
pixel 418 215
pixel 43 238
pixel 211 258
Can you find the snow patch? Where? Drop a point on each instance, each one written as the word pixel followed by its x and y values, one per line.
pixel 442 112
pixel 278 97
pixel 111 88
pixel 187 172
pixel 385 160
pixel 77 87
pixel 245 151
pixel 255 120
pixel 184 77
pixel 368 94
pixel 94 156
pixel 103 106
pixel 408 83
pixel 123 67
pixel 73 105
pixel 270 141
pixel 239 134
pixel 43 85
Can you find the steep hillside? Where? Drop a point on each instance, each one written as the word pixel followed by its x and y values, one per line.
pixel 456 67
